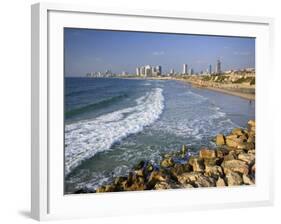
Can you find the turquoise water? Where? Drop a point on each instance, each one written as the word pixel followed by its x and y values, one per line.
pixel 111 124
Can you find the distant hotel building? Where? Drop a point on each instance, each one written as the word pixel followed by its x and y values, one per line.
pixel 210 69
pixel 149 71
pixel 138 72
pixel 218 67
pixel 185 69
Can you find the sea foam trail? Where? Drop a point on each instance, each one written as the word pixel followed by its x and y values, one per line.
pixel 86 138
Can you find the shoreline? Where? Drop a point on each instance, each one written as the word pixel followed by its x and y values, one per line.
pixel 230 163
pixel 246 96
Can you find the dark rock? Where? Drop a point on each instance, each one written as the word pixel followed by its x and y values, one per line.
pixel 140 165
pixel 156 177
pixel 84 191
pixel 167 162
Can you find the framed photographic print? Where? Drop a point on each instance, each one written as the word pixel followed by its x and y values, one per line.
pixel 162 111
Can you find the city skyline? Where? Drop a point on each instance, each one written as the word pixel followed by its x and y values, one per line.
pixel 90 50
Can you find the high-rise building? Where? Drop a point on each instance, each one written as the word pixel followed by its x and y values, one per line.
pixel 159 69
pixel 185 69
pixel 148 70
pixel 218 67
pixel 138 73
pixel 210 69
pixel 142 71
pixel 191 71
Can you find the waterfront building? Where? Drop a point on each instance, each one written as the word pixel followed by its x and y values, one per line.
pixel 142 71
pixel 218 67
pixel 138 72
pixel 159 69
pixel 210 69
pixel 148 70
pixel 185 69
pixel 191 71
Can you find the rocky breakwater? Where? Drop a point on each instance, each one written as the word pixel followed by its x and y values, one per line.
pixel 230 163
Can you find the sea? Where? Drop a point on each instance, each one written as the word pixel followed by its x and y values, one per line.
pixel 111 124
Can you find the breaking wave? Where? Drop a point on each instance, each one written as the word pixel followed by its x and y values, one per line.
pixel 84 139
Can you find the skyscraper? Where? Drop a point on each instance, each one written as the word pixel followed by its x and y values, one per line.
pixel 159 69
pixel 138 73
pixel 210 69
pixel 218 67
pixel 184 71
pixel 148 70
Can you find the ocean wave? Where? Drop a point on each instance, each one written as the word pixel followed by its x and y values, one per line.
pixel 94 106
pixel 86 138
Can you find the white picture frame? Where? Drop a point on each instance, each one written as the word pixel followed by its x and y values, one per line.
pixel 48 201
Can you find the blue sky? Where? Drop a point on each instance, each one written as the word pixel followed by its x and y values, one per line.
pixel 90 50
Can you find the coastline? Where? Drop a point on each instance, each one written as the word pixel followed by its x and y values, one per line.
pixel 246 96
pixel 230 163
pixel 238 92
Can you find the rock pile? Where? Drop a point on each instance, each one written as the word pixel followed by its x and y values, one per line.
pixel 231 163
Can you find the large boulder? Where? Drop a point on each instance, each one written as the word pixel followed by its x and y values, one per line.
pixel 251 139
pixel 162 186
pixel 246 157
pixel 220 139
pixel 220 182
pixel 178 169
pixel 234 165
pixel 196 179
pixel 196 163
pixel 231 156
pixel 233 179
pixel 247 180
pixel 167 162
pixel 237 131
pixel 188 178
pixel 235 142
pixel 208 162
pixel 156 177
pixel 252 127
pixel 213 171
pixel 221 153
pixel 204 181
pixel 206 153
pixel 252 123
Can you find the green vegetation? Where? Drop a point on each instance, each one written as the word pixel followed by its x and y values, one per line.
pixel 251 80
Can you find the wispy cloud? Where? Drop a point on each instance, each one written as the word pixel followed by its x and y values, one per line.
pixel 158 53
pixel 242 53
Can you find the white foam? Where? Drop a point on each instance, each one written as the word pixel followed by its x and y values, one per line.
pixel 86 138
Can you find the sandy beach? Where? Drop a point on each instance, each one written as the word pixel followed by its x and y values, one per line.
pixel 238 93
